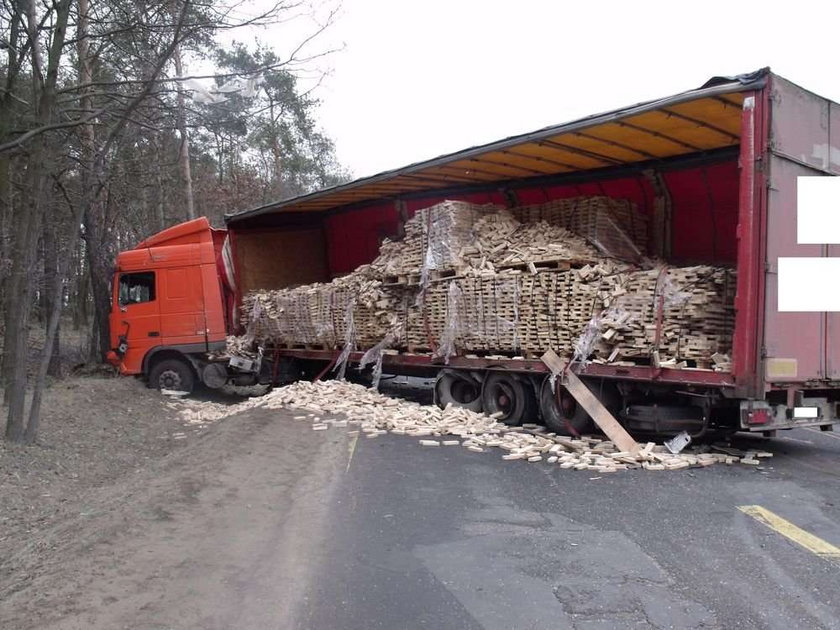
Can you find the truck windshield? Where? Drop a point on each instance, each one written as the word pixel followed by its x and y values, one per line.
pixel 137 287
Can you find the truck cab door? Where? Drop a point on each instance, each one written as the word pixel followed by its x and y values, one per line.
pixel 137 316
pixel 182 305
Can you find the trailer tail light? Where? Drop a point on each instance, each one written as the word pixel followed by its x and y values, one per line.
pixel 756 416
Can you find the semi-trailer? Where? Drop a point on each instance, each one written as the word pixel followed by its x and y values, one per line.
pixel 713 170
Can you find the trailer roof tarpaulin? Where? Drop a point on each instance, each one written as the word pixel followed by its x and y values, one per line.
pixel 699 121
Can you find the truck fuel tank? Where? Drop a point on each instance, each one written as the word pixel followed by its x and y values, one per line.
pixel 214 375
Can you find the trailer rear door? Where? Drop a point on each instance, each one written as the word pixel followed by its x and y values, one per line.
pixel 804 141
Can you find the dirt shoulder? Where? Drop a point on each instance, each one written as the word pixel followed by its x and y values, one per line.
pixel 94 431
pixel 212 530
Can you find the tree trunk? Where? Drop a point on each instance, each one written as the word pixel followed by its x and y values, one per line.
pixel 80 293
pixel 15 31
pixel 48 260
pixel 52 276
pixel 276 153
pixel 160 209
pixel 99 263
pixel 53 288
pixel 96 249
pixel 28 228
pixel 21 295
pixel 5 215
pixel 93 342
pixel 55 291
pixel 184 151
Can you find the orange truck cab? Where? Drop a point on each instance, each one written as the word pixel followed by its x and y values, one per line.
pixel 171 306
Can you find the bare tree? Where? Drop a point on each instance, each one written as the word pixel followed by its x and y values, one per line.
pixel 96 152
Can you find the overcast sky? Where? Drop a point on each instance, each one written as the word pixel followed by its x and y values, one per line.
pixel 417 79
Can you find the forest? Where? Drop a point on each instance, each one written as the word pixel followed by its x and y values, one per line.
pixel 119 118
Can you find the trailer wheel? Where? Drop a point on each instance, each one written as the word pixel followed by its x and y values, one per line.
pixel 173 374
pixel 561 412
pixel 509 395
pixel 461 390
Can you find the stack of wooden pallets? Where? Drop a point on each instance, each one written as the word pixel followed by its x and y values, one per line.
pixel 518 281
pixel 612 225
pixel 434 241
pixel 318 315
pixel 680 312
pixel 519 313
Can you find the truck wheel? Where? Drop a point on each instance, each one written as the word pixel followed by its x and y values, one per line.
pixel 509 395
pixel 172 374
pixel 461 390
pixel 561 412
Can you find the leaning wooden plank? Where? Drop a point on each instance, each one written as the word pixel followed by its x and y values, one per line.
pixel 554 362
pixel 600 414
pixel 586 399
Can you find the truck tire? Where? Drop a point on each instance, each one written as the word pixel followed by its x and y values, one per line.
pixel 561 413
pixel 173 374
pixel 509 395
pixel 460 390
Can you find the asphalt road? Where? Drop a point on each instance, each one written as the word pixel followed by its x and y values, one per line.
pixel 442 538
pixel 263 523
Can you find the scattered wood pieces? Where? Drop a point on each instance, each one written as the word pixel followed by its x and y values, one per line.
pixel 376 415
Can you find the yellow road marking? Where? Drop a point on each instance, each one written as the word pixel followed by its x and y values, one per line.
pixel 825 433
pixel 351 448
pixel 790 531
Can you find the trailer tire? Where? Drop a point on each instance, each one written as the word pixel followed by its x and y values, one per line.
pixel 561 413
pixel 460 390
pixel 510 395
pixel 175 374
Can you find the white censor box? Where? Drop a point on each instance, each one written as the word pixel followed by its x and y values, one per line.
pixel 805 283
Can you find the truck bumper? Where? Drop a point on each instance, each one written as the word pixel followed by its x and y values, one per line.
pixel 761 416
pixel 113 358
